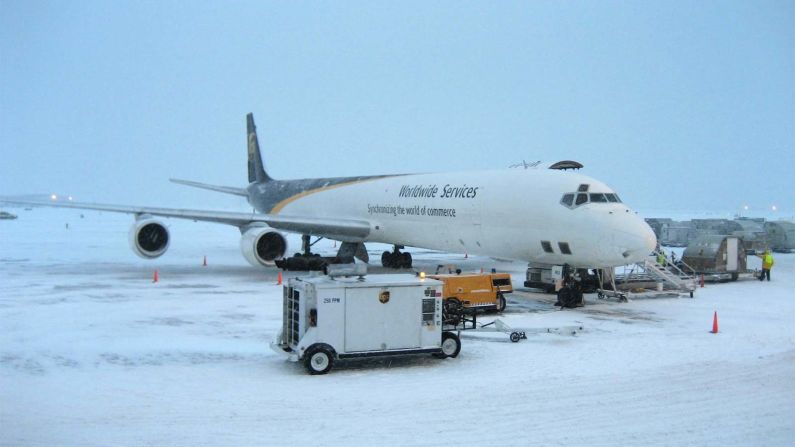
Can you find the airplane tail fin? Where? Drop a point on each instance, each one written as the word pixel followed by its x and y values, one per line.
pixel 256 169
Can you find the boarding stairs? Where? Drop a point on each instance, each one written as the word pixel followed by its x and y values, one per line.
pixel 671 275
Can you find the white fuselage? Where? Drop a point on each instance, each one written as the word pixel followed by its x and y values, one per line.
pixel 505 214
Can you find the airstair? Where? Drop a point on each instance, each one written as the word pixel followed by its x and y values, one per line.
pixel 672 276
pixel 678 278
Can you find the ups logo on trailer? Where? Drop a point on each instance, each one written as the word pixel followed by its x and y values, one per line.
pixel 383 297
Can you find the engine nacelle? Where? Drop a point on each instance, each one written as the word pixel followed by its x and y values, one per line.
pixel 262 245
pixel 149 238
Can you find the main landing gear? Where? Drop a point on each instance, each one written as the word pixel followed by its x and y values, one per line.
pixel 396 259
pixel 303 261
pixel 312 261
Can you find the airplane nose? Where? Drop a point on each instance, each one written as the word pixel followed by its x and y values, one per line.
pixel 640 240
pixel 649 237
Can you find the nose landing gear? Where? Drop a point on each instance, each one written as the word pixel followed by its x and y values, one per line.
pixel 570 295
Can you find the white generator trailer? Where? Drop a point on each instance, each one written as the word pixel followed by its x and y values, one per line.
pixel 329 318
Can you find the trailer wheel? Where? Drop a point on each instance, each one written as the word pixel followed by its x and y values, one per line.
pixel 318 359
pixel 452 304
pixel 501 303
pixel 515 337
pixel 451 311
pixel 451 345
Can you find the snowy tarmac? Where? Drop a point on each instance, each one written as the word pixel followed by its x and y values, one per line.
pixel 93 353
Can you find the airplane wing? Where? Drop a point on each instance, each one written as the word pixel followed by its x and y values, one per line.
pixel 339 229
pixel 223 189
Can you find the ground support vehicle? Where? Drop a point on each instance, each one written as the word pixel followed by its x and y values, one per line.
pixel 328 318
pixel 483 291
pixel 545 278
pixel 567 282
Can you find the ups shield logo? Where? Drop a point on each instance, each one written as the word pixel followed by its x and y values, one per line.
pixel 384 297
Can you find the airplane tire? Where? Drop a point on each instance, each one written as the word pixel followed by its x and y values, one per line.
pixel 405 260
pixel 566 297
pixel 386 259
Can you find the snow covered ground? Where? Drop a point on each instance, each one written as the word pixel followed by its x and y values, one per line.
pixel 93 353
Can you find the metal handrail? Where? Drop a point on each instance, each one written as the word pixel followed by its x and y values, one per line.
pixel 675 267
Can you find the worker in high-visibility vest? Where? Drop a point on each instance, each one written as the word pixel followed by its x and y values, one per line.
pixel 661 258
pixel 767 264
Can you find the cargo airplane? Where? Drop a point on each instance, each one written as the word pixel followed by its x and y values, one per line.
pixel 544 214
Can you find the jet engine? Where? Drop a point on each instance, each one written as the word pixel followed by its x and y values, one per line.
pixel 262 245
pixel 149 238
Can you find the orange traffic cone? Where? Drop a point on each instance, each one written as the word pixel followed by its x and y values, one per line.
pixel 155 278
pixel 279 279
pixel 715 323
pixel 204 264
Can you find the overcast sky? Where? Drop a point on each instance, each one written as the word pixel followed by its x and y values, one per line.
pixel 677 105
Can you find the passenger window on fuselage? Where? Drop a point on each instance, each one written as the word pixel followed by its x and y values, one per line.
pixel 598 197
pixel 564 248
pixel 581 198
pixel 567 199
pixel 547 246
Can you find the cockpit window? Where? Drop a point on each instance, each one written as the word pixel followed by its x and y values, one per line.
pixel 573 200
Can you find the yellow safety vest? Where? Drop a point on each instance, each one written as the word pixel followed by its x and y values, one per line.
pixel 767 261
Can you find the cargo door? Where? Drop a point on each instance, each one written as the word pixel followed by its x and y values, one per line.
pixel 476 241
pixel 731 254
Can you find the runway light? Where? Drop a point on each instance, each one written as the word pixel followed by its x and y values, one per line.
pixel 745 207
pixel 422 275
pixel 70 198
pixel 54 197
pixel 774 208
